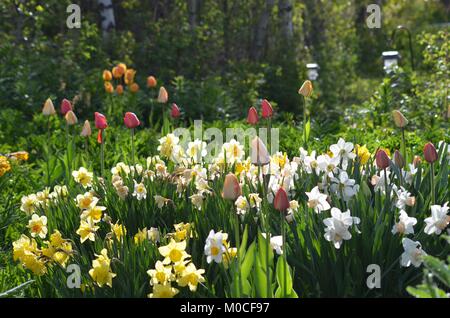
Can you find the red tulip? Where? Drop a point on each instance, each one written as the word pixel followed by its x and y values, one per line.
pixel 65 106
pixel 100 121
pixel 252 117
pixel 131 120
pixel 267 110
pixel 281 201
pixel 429 153
pixel 175 111
pixel 382 159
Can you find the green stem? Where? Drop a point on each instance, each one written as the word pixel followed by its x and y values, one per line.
pixel 238 276
pixel 102 155
pixel 67 152
pixel 48 151
pixel 283 235
pixel 404 145
pixel 132 146
pixel 433 194
pixel 304 122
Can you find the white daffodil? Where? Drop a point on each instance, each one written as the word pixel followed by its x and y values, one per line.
pixel 328 165
pixel 337 226
pixel 344 151
pixel 379 182
pixel 196 150
pixel 160 201
pixel 197 200
pixel 311 164
pixel 438 220
pixel 404 198
pixel 28 204
pixel 409 175
pixel 167 145
pixel 405 224
pixel 242 205
pixel 234 151
pixel 413 253
pixel 276 243
pixel 317 201
pixel 214 247
pixel 139 191
pixel 344 187
pixel 255 200
pixel 83 177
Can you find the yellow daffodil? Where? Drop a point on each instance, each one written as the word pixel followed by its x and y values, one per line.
pixel 363 153
pixel 29 203
pixel 101 269
pixel 85 201
pixel 173 252
pixel 5 166
pixel 161 274
pixel 93 213
pixel 191 277
pixel 140 236
pixel 87 230
pixel 83 177
pixel 119 230
pixel 182 231
pixel 228 256
pixel 163 291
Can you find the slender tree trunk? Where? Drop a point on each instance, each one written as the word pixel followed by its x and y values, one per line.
pixel 107 15
pixel 226 30
pixel 193 10
pixel 285 9
pixel 260 37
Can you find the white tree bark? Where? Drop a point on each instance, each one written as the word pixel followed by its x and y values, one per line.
pixel 285 9
pixel 107 15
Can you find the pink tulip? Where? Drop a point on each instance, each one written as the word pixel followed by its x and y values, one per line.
pixel 131 120
pixel 252 117
pixel 382 159
pixel 231 187
pixel 267 110
pixel 429 153
pixel 65 106
pixel 175 111
pixel 281 201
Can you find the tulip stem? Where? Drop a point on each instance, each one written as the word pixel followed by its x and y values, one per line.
pixel 132 146
pixel 433 194
pixel 305 144
pixel 67 153
pixel 102 155
pixel 404 145
pixel 238 258
pixel 283 235
pixel 48 151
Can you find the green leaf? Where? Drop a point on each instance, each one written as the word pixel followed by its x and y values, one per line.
pixel 248 261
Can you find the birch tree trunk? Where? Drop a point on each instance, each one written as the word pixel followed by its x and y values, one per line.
pixel 107 15
pixel 285 9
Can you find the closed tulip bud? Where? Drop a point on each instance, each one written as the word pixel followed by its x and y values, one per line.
pixel 131 120
pixel 122 68
pixel 119 89
pixel 71 118
pixel 116 72
pixel 399 119
pixel 267 110
pixel 163 96
pixel 100 121
pixel 252 116
pixel 48 108
pixel 259 156
pixel 109 88
pixel 151 81
pixel 429 153
pixel 231 187
pixel 129 76
pixel 65 106
pixel 398 159
pixel 107 76
pixel 306 89
pixel 86 131
pixel 175 111
pixel 281 201
pixel 382 159
pixel 134 88
pixel 417 161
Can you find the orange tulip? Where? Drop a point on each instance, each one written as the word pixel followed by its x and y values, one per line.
pixel 129 76
pixel 107 76
pixel 151 81
pixel 134 88
pixel 109 88
pixel 306 89
pixel 116 72
pixel 119 89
